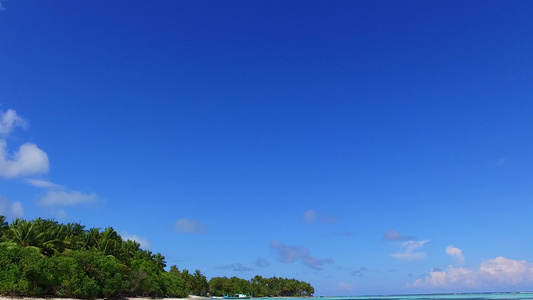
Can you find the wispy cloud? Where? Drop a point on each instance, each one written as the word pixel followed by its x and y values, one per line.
pixel 343 233
pixel 496 272
pixel 9 120
pixel 359 272
pixel 311 216
pixel 17 210
pixel 61 214
pixel 145 244
pixel 408 251
pixel 11 209
pixel 394 235
pixel 42 183
pixel 262 263
pixel 501 162
pixel 290 254
pixel 345 287
pixel 189 226
pixel 235 267
pixel 455 252
pixel 66 198
pixel 28 160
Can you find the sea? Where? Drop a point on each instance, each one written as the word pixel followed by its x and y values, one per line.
pixel 478 296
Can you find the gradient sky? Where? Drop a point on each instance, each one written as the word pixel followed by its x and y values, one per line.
pixel 366 147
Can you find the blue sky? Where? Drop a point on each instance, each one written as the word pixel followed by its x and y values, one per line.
pixel 367 147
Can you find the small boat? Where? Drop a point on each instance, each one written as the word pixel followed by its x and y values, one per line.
pixel 237 296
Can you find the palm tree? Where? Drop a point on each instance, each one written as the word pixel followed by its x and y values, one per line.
pixel 71 234
pixel 21 232
pixel 48 236
pixel 128 249
pixel 109 241
pixel 89 239
pixel 4 227
pixel 143 254
pixel 39 233
pixel 160 261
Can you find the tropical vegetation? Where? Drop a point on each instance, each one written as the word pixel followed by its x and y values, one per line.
pixel 260 287
pixel 42 258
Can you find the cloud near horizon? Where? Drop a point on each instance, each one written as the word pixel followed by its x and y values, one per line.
pixel 496 272
pixel 345 287
pixel 455 252
pixel 145 244
pixel 290 254
pixel 30 160
pixel 189 226
pixel 11 209
pixel 407 251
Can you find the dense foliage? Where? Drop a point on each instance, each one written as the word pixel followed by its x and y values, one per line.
pixel 44 258
pixel 260 287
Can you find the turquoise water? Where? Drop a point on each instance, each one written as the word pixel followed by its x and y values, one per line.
pixel 482 296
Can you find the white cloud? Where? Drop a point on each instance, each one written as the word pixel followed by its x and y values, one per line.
pixel 66 198
pixel 28 160
pixel 42 183
pixel 496 272
pixel 407 251
pixel 11 210
pixel 456 252
pixel 145 244
pixel 9 120
pixel 189 226
pixel 290 254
